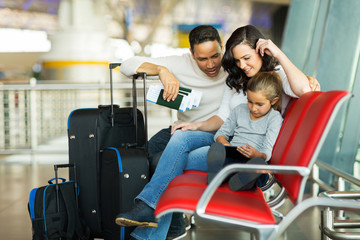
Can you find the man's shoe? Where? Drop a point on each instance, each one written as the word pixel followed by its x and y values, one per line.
pixel 140 216
pixel 215 160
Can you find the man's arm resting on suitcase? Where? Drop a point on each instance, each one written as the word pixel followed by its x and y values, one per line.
pixel 153 67
pixel 171 84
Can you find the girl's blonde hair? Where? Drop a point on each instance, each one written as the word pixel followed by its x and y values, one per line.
pixel 269 83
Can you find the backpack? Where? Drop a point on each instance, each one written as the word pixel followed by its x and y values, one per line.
pixel 54 210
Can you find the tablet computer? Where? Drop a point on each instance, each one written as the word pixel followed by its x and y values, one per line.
pixel 232 152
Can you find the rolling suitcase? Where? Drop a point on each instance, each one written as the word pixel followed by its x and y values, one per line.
pixel 92 130
pixel 124 173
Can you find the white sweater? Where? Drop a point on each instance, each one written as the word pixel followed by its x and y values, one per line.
pixel 186 70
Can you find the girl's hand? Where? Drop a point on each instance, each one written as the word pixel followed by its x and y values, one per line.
pixel 184 126
pixel 249 151
pixel 268 47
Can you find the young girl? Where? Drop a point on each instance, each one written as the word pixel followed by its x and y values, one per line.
pixel 253 127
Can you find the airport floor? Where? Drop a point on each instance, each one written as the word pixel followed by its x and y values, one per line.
pixel 22 172
pixel 17 179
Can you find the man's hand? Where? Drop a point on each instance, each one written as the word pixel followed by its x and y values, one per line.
pixel 184 126
pixel 313 83
pixel 171 84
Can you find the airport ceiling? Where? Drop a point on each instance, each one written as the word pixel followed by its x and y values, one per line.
pixel 120 14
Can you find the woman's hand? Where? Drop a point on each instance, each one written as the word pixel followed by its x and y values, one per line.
pixel 299 84
pixel 267 46
pixel 184 126
pixel 313 83
pixel 250 152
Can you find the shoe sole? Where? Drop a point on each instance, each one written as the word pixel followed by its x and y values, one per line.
pixel 131 223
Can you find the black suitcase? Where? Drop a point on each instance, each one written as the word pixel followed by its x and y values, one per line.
pixel 92 130
pixel 124 173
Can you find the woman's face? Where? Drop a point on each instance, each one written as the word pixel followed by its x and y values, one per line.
pixel 247 59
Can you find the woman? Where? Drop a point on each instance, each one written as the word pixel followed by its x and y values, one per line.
pixel 247 53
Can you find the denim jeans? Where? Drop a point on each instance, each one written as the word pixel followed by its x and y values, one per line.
pixel 185 150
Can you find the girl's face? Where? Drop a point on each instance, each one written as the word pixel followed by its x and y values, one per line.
pixel 258 104
pixel 247 59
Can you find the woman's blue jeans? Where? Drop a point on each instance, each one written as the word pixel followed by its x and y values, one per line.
pixel 185 150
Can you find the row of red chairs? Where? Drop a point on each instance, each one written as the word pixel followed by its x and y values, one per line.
pixel 303 132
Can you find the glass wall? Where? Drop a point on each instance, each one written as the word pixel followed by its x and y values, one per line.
pixel 322 37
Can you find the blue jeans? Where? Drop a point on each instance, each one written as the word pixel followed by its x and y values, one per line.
pixel 185 150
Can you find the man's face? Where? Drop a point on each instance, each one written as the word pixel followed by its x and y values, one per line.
pixel 208 57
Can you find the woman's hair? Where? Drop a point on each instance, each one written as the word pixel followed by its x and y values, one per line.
pixel 269 84
pixel 248 35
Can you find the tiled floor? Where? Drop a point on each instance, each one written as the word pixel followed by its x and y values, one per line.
pixel 18 176
pixel 16 181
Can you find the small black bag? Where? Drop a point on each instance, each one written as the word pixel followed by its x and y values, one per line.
pixel 54 210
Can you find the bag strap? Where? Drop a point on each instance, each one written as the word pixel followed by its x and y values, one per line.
pixel 67 192
pixel 75 226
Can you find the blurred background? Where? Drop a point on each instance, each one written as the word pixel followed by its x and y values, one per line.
pixel 54 57
pixel 54 54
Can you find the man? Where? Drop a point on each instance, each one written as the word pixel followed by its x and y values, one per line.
pixel 199 70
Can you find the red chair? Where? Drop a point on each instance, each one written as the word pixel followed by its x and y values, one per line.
pixel 300 139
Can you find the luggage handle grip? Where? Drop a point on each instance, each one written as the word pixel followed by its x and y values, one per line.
pixel 51 180
pixel 114 65
pixel 63 166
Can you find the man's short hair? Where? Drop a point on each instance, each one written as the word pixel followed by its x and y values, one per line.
pixel 203 33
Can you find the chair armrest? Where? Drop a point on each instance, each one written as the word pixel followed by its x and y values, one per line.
pixel 322 202
pixel 233 168
pixel 341 194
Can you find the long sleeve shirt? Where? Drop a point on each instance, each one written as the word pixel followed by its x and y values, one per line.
pixel 260 134
pixel 186 70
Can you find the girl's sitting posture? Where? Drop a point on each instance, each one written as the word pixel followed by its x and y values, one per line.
pixel 253 127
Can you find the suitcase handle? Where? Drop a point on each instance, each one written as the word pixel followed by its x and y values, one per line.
pixel 136 76
pixel 112 66
pixel 143 76
pixel 56 167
